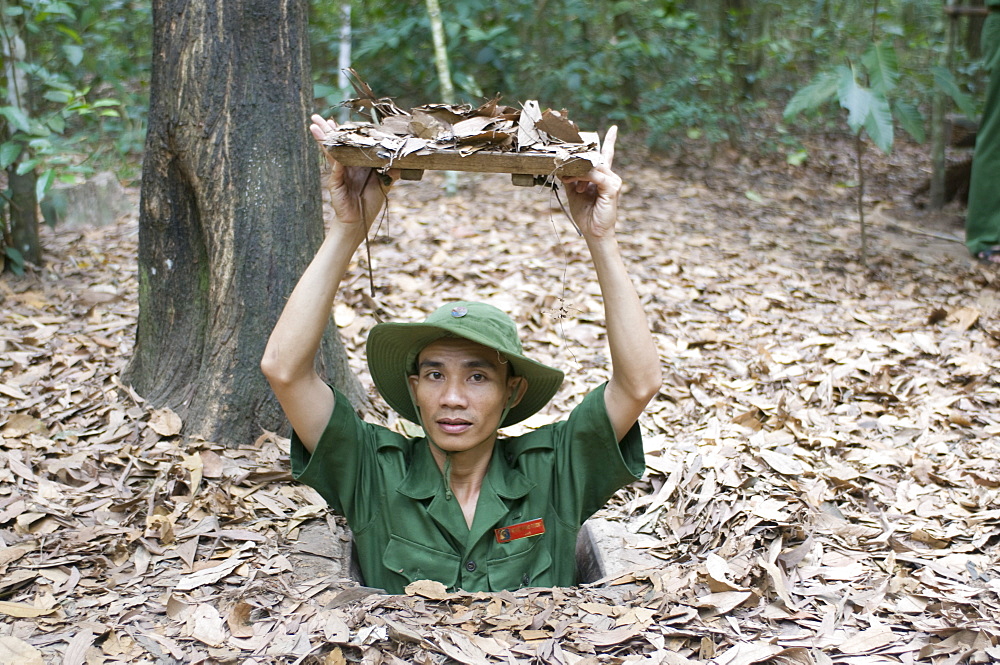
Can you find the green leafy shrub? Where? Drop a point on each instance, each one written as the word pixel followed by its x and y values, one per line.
pixel 74 91
pixel 649 65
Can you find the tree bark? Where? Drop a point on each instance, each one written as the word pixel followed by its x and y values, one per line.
pixel 230 212
pixel 440 52
pixel 23 202
pixel 344 59
pixel 939 164
pixel 24 214
pixel 444 75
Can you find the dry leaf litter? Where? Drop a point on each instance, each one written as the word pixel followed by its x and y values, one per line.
pixel 823 460
pixel 491 131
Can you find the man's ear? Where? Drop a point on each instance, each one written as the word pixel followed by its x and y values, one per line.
pixel 518 385
pixel 412 378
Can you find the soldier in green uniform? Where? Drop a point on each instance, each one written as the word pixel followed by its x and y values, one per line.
pixel 461 505
pixel 982 221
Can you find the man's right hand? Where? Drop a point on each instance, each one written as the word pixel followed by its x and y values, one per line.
pixel 356 192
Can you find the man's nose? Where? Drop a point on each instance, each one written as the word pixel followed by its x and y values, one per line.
pixel 454 393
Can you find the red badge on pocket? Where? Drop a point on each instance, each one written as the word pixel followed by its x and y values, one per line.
pixel 522 530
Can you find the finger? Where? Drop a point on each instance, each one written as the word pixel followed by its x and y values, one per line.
pixel 595 176
pixel 608 147
pixel 320 126
pixel 325 123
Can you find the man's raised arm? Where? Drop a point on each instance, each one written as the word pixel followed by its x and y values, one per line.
pixel 635 363
pixel 357 196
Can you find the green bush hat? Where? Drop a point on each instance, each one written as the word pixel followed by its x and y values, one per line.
pixel 393 348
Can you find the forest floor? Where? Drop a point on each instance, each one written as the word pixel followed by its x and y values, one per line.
pixel 823 479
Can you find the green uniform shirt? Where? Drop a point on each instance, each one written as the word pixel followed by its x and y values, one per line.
pixel 392 493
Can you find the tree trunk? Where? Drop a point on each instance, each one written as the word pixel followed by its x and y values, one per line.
pixel 24 214
pixel 733 57
pixel 440 52
pixel 444 76
pixel 344 59
pixel 23 196
pixel 230 211
pixel 939 164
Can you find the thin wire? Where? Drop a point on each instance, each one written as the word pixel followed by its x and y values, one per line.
pixel 364 216
pixel 563 310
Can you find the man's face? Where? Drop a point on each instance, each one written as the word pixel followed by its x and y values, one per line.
pixel 461 389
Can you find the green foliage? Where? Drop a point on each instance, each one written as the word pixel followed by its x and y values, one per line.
pixel 821 89
pixel 13 260
pixel 86 67
pixel 73 70
pixel 946 82
pixel 867 109
pixel 866 91
pixel 664 68
pixel 882 66
pixel 649 65
pixel 910 119
pixel 870 108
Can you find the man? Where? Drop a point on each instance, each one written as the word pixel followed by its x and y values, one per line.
pixel 461 506
pixel 982 220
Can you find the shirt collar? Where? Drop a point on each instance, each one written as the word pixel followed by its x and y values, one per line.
pixel 423 479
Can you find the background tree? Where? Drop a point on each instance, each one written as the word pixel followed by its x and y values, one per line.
pixel 20 238
pixel 865 90
pixel 665 70
pixel 230 211
pixel 57 59
pixel 444 73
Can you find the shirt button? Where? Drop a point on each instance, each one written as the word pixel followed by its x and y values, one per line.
pixel 470 566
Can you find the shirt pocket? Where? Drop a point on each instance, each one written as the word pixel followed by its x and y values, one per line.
pixel 525 563
pixel 418 562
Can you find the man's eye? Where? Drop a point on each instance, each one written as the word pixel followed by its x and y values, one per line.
pixel 478 377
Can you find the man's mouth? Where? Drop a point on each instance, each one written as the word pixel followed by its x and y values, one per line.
pixel 453 425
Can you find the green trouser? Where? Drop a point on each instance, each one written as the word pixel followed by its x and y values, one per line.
pixel 982 222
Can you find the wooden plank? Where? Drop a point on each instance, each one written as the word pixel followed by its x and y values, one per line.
pixel 531 163
pixel 958 10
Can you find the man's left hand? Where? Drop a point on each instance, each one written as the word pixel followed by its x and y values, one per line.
pixel 593 198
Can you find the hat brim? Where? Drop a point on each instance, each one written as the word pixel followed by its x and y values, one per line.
pixel 392 349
